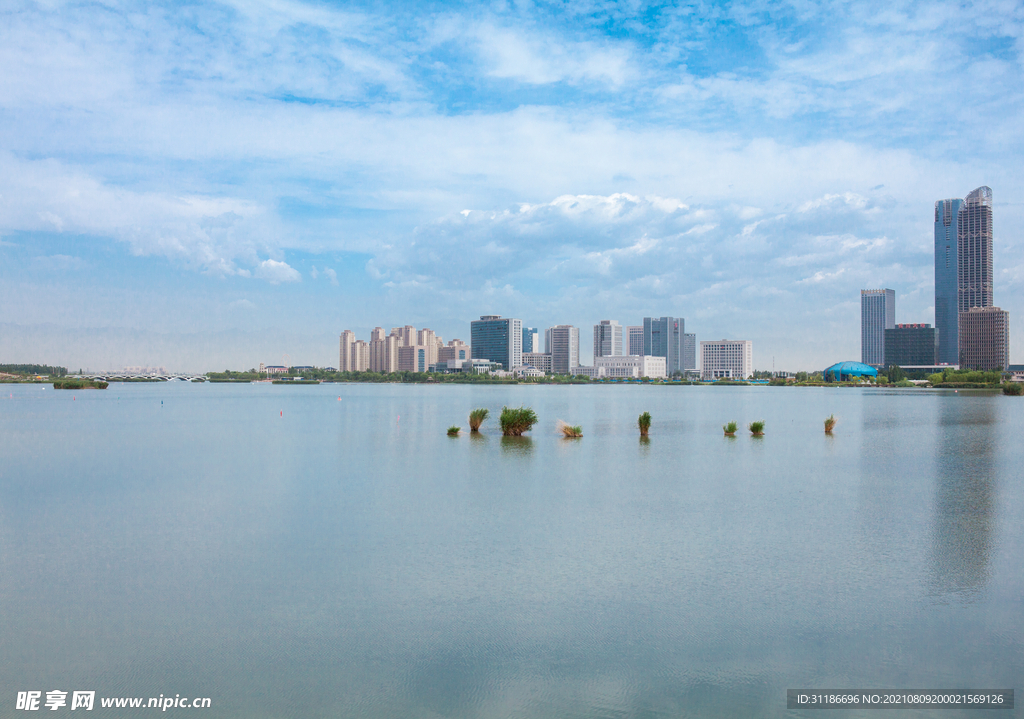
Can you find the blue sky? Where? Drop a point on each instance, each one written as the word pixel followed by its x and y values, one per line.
pixel 215 185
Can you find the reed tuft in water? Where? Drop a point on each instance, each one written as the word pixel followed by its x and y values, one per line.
pixel 830 422
pixel 729 429
pixel 644 422
pixel 476 418
pixel 515 421
pixel 756 428
pixel 570 431
pixel 453 431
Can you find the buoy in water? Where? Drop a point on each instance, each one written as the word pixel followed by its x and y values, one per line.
pixel 282 413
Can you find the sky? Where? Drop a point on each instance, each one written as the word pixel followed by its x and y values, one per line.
pixel 214 185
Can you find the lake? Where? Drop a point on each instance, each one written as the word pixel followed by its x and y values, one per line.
pixel 327 551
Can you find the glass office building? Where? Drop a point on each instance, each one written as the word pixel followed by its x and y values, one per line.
pixel 947 214
pixel 497 339
pixel 911 345
pixel 665 337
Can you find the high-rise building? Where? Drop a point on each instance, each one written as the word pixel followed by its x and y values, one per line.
pixel 426 338
pixel 608 339
pixel 663 337
pixel 531 339
pixel 974 250
pixel 727 359
pixel 689 352
pixel 877 314
pixel 563 343
pixel 985 339
pixel 497 339
pixel 635 340
pixel 911 345
pixel 947 285
pixel 360 356
pixel 383 351
pixel 347 339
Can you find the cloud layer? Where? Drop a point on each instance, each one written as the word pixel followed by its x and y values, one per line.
pixel 728 163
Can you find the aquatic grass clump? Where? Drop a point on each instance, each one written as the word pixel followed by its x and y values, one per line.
pixel 756 428
pixel 570 431
pixel 830 422
pixel 515 421
pixel 1013 389
pixel 644 422
pixel 453 431
pixel 730 429
pixel 476 418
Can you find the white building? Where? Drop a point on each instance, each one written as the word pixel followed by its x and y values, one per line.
pixel 538 360
pixel 726 359
pixel 584 370
pixel 632 366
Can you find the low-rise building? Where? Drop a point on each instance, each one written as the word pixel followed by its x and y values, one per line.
pixel 538 360
pixel 633 366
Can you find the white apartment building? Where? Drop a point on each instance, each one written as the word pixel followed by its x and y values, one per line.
pixel 726 359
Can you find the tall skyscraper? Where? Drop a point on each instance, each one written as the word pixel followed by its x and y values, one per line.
pixel 974 250
pixel 877 314
pixel 663 337
pixel 635 340
pixel 498 340
pixel 531 339
pixel 563 344
pixel 947 285
pixel 607 339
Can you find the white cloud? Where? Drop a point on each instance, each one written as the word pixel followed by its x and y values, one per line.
pixel 276 272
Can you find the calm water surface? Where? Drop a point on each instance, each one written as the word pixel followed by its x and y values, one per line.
pixel 326 551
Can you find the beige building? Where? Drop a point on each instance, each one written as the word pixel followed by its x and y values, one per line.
pixel 985 339
pixel 726 359
pixel 353 354
pixel 383 351
pixel 455 350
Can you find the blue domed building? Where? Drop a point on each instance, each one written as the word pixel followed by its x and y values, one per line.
pixel 846 371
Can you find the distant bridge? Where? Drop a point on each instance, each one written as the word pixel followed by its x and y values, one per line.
pixel 121 376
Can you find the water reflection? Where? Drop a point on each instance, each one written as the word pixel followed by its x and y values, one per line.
pixel 964 497
pixel 519 446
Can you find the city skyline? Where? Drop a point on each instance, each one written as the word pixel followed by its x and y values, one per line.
pixel 268 175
